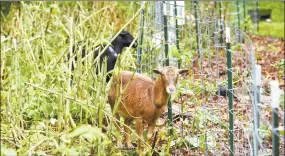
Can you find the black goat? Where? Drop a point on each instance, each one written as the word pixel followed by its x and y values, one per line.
pixel 124 39
pixel 224 92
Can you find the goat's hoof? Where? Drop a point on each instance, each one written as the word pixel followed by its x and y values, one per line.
pixel 140 152
pixel 119 145
pixel 130 146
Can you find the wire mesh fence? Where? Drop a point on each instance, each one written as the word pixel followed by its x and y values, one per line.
pixel 220 107
pixel 192 35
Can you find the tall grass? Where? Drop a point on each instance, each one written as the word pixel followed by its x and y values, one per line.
pixel 41 113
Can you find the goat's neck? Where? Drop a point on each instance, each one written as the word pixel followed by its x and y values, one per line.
pixel 118 47
pixel 160 94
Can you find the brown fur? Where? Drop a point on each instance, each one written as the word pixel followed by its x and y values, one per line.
pixel 137 99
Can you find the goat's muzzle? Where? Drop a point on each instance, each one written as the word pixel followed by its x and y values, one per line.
pixel 170 90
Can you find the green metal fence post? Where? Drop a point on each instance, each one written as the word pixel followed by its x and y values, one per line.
pixel 139 51
pixel 230 88
pixel 238 14
pixel 256 87
pixel 166 49
pixel 276 140
pixel 196 27
pixel 170 115
pixel 177 32
pixel 257 10
pixel 244 16
pixel 275 95
pixel 221 23
pixel 177 46
pixel 258 84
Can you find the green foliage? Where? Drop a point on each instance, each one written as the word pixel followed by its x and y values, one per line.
pixel 265 132
pixel 276 24
pixel 277 20
pixel 44 111
pixel 281 66
pixel 86 132
pixel 277 14
pixel 174 51
pixel 276 29
pixel 42 115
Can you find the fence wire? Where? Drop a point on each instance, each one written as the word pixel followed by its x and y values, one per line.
pixel 195 37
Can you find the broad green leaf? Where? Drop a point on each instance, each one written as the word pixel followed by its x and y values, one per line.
pixel 86 131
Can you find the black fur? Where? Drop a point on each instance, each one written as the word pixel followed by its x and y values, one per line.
pixel 124 39
pixel 224 92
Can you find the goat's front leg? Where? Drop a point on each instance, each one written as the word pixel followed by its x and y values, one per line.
pixel 128 134
pixel 139 129
pixel 150 129
pixel 119 141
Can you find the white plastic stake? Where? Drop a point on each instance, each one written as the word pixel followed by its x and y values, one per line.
pixel 228 35
pixel 275 94
pixel 258 75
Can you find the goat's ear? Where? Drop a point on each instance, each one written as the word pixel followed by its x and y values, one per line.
pixel 181 71
pixel 157 71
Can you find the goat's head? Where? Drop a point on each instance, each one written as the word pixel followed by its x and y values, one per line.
pixel 125 38
pixel 169 76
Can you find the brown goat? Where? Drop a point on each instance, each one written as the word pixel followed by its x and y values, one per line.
pixel 144 100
